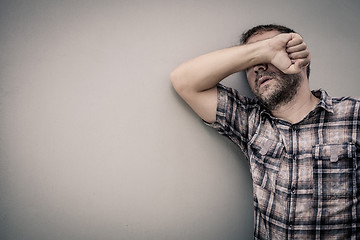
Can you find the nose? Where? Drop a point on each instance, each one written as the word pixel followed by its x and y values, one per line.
pixel 260 67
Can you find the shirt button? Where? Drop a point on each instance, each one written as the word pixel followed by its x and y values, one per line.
pixel 293 189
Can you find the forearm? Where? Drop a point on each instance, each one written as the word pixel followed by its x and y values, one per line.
pixel 204 72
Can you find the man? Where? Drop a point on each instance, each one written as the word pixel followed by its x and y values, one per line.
pixel 303 146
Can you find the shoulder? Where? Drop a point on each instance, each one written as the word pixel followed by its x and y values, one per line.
pixel 236 110
pixel 346 101
pixel 232 96
pixel 352 100
pixel 336 103
pixel 347 107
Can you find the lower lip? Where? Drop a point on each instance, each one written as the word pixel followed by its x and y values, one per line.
pixel 265 83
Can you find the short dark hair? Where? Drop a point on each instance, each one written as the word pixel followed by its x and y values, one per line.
pixel 267 28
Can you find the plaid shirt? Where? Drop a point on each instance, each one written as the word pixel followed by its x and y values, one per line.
pixel 306 180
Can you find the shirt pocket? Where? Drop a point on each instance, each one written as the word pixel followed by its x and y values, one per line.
pixel 334 170
pixel 265 159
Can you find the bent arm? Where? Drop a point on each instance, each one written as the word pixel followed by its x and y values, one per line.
pixel 195 81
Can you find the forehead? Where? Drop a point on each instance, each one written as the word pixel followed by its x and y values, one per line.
pixel 262 36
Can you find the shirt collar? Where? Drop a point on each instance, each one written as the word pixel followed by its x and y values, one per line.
pixel 325 102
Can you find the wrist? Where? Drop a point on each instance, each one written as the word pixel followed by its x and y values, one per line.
pixel 261 52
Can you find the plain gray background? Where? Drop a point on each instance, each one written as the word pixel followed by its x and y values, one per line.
pixel 95 144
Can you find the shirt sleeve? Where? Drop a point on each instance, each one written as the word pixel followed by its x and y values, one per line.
pixel 232 115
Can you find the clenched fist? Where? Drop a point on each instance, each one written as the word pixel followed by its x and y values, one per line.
pixel 288 52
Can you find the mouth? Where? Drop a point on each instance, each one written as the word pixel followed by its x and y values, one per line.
pixel 263 80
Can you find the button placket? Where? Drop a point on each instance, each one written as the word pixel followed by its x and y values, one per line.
pixel 293 131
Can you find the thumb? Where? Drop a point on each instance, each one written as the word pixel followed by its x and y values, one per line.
pixel 295 67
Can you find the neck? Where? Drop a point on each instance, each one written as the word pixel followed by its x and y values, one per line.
pixel 298 108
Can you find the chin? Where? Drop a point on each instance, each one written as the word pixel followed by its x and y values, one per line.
pixel 267 91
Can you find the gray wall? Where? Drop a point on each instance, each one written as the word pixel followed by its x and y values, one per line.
pixel 95 144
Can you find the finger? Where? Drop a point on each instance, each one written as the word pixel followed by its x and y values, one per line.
pixel 296 40
pixel 305 62
pixel 297 48
pixel 297 65
pixel 302 63
pixel 299 55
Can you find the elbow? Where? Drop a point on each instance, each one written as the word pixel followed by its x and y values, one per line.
pixel 183 81
pixel 176 80
pixel 173 77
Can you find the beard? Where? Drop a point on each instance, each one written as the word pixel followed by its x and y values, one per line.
pixel 278 93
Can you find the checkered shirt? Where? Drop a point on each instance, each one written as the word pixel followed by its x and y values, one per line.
pixel 306 178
